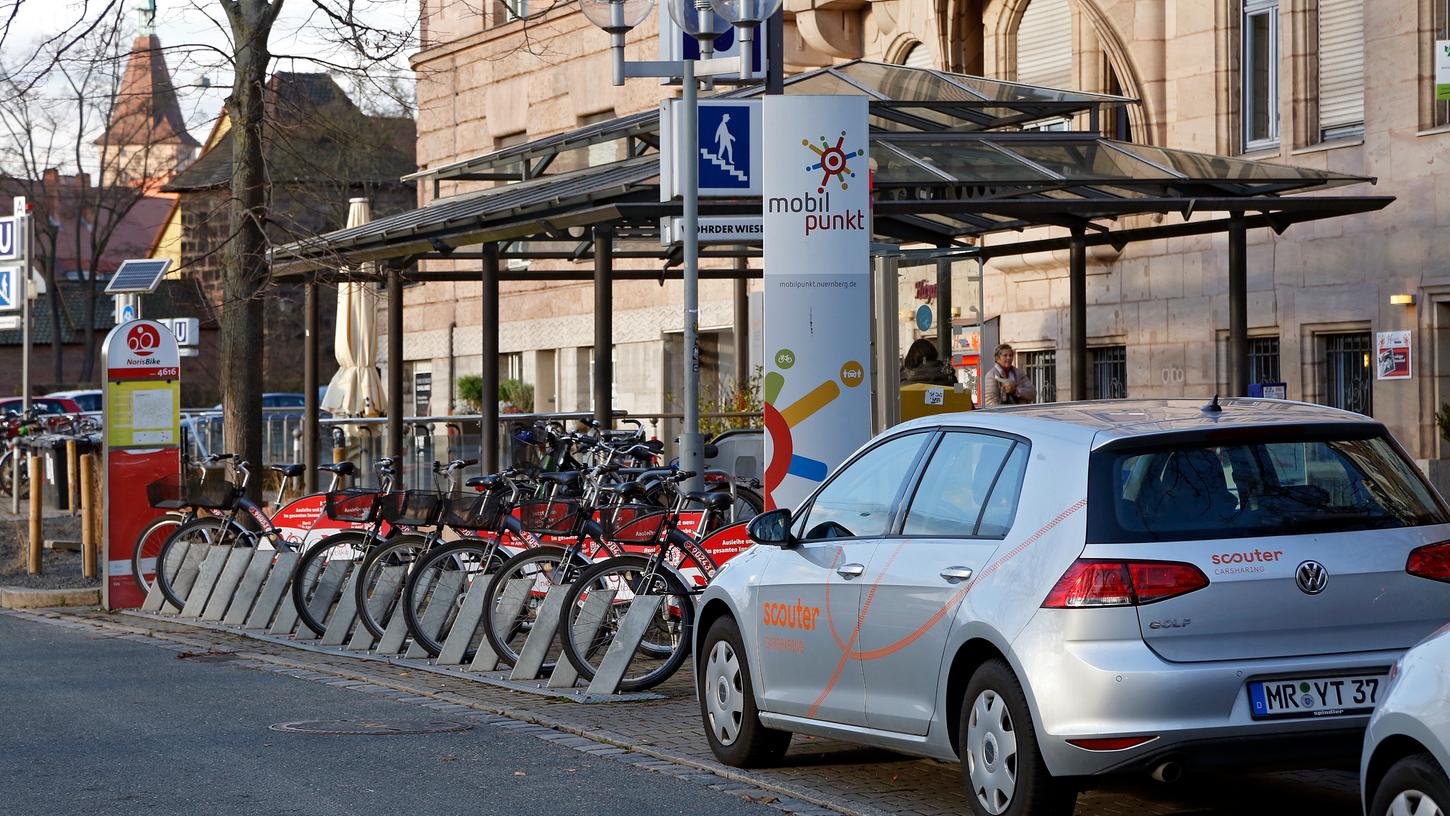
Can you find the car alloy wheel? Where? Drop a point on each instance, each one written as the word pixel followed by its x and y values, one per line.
pixel 724 693
pixel 992 752
pixel 1413 803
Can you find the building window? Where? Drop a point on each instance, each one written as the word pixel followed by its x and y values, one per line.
pixel 1345 376
pixel 1341 68
pixel 511 366
pixel 1441 32
pixel 1108 372
pixel 918 56
pixel 1041 369
pixel 1044 44
pixel 1264 360
pixel 506 11
pixel 1260 68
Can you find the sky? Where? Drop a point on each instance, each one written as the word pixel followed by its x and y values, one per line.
pixel 190 30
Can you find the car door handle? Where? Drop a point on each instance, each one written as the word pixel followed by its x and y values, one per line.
pixel 956 573
pixel 850 570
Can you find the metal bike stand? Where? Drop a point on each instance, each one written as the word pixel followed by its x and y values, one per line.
pixel 394 634
pixel 328 585
pixel 226 583
pixel 437 613
pixel 541 636
pixel 339 626
pixel 185 576
pixel 249 587
pixel 389 586
pixel 586 626
pixel 206 575
pixel 156 599
pixel 273 590
pixel 465 624
pixel 514 596
pixel 642 610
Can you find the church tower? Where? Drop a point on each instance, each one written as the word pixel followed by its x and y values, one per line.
pixel 146 141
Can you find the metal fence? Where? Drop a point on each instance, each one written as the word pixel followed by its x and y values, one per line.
pixel 427 439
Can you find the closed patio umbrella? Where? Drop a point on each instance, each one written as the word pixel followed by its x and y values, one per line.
pixel 356 389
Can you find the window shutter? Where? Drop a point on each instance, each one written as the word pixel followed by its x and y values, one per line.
pixel 1044 44
pixel 918 57
pixel 1341 64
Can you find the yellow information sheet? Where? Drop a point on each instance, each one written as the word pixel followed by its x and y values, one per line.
pixel 140 413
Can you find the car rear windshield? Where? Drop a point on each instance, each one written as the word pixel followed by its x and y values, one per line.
pixel 1260 483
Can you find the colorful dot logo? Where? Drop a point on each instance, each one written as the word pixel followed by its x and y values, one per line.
pixel 833 161
pixel 781 420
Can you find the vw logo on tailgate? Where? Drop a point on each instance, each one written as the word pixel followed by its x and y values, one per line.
pixel 1312 577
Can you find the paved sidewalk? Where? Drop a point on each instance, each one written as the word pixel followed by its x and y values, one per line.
pixel 817 773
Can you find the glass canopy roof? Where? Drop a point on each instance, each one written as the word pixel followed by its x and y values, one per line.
pixel 950 159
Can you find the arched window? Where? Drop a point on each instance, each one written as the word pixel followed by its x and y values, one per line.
pixel 918 56
pixel 1044 44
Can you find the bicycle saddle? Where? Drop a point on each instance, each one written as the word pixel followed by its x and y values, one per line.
pixel 340 468
pixel 289 470
pixel 563 477
pixel 713 499
pixel 626 490
pixel 486 482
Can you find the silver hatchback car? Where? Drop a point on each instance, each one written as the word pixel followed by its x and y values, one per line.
pixel 1054 592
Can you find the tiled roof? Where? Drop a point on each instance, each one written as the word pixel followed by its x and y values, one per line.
pixel 314 133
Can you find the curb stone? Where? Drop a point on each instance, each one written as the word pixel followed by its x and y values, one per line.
pixel 775 795
pixel 26 598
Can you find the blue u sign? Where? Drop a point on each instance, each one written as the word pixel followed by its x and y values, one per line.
pixel 9 243
pixel 724 150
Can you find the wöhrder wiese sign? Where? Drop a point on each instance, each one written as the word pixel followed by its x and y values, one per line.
pixel 817 224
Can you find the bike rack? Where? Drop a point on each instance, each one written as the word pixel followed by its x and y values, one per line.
pixel 247 592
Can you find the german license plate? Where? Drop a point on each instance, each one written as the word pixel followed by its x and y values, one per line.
pixel 1315 696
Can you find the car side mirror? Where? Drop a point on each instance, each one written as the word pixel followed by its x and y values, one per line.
pixel 771 528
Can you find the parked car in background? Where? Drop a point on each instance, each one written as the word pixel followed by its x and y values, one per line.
pixel 88 400
pixel 1407 744
pixel 42 405
pixel 1049 593
pixel 275 399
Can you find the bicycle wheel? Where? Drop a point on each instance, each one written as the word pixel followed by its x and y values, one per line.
pixel 748 504
pixel 445 576
pixel 321 574
pixel 666 641
pixel 384 573
pixel 148 547
pixel 508 618
pixel 7 476
pixel 181 554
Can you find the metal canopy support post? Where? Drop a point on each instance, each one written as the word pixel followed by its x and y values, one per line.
pixel 488 347
pixel 944 309
pixel 1238 306
pixel 775 53
pixel 887 359
pixel 741 302
pixel 603 326
pixel 312 338
pixel 395 366
pixel 1077 314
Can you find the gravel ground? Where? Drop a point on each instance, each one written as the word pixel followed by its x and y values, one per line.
pixel 61 569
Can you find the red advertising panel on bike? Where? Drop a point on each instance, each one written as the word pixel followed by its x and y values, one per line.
pixel 142 443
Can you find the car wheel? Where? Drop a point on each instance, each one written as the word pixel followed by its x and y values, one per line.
pixel 727 702
pixel 1001 764
pixel 1414 786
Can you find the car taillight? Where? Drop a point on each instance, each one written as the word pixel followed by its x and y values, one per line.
pixel 1091 583
pixel 1430 561
pixel 1110 743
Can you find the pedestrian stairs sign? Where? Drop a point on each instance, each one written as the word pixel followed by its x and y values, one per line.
pixel 727 151
pixel 12 288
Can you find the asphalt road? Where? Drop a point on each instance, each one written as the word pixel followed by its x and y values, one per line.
pixel 100 725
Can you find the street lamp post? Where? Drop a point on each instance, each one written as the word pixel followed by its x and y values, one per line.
pixel 704 20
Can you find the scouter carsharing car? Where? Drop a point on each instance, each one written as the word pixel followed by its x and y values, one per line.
pixel 1407 744
pixel 1051 593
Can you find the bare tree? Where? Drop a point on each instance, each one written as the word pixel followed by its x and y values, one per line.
pixel 48 151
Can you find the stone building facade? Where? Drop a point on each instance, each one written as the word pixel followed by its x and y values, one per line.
pixel 1342 85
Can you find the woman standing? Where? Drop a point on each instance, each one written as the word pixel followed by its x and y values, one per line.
pixel 1006 384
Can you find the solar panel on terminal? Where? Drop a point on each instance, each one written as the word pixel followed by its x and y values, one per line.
pixel 138 276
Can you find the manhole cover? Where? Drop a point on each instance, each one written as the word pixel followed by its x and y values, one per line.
pixel 371 727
